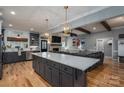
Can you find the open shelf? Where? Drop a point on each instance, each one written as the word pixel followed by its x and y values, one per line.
pixel 17 39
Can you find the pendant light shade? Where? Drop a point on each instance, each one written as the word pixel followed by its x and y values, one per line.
pixel 46 34
pixel 67 28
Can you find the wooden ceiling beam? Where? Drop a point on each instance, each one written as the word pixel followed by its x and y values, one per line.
pixel 71 34
pixel 83 30
pixel 106 25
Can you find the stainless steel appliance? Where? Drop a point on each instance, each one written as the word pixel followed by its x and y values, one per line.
pixel 28 55
pixel 121 50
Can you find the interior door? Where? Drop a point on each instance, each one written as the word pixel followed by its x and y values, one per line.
pixel 43 45
pixel 100 45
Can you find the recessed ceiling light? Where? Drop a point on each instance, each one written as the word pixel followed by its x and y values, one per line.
pixel 1 13
pixel 13 12
pixel 10 25
pixel 94 28
pixel 32 29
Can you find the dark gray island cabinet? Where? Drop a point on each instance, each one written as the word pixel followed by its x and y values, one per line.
pixel 58 73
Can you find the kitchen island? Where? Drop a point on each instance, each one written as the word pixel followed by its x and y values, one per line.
pixel 61 69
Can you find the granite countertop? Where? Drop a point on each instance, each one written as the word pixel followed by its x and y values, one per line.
pixel 81 63
pixel 16 50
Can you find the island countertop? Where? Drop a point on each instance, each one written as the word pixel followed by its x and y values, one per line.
pixel 81 63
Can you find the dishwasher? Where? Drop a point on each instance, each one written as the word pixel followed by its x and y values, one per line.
pixel 29 55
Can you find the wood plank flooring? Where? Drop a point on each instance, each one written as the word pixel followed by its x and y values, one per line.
pixel 110 74
pixel 22 75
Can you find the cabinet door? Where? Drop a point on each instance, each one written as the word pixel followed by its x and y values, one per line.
pixel 66 80
pixel 48 73
pixel 55 77
pixel 36 64
pixel 42 67
pixel 33 63
pixel 13 57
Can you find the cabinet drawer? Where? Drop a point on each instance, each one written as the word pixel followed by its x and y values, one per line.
pixel 66 69
pixel 53 64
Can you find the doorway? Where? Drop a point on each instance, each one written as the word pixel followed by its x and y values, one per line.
pixel 105 45
pixel 43 45
pixel 100 45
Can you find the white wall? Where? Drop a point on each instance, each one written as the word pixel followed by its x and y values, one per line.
pixel 14 33
pixel 70 43
pixel 91 39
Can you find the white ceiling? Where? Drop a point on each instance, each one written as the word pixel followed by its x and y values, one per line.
pixel 99 27
pixel 115 22
pixel 34 16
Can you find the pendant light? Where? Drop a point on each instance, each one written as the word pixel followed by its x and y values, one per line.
pixel 67 28
pixel 46 34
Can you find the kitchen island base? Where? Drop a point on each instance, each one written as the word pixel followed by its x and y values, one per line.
pixel 59 75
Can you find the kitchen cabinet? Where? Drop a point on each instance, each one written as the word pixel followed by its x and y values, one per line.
pixel 66 79
pixel 12 57
pixel 9 57
pixel 55 77
pixel 36 64
pixel 56 74
pixel 66 76
pixel 65 70
pixel 39 66
pixel 48 74
pixel 42 67
pixel 52 75
pixel 34 39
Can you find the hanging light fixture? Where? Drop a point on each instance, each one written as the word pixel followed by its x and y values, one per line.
pixel 46 34
pixel 67 28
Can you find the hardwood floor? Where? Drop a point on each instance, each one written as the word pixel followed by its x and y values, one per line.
pixel 111 74
pixel 22 75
